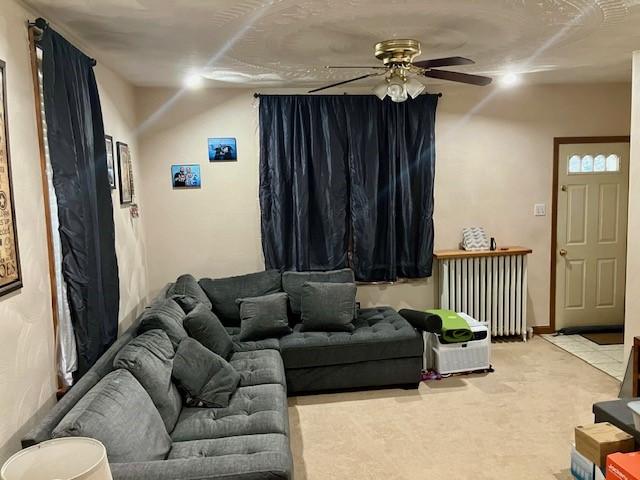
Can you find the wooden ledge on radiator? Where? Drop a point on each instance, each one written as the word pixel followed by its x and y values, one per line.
pixel 499 252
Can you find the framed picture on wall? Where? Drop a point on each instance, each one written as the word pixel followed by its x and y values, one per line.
pixel 111 165
pixel 223 150
pixel 186 176
pixel 126 174
pixel 10 274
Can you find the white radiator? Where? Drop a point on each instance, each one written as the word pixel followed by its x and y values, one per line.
pixel 491 289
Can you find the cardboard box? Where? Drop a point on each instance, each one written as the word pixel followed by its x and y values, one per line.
pixel 597 441
pixel 582 468
pixel 623 466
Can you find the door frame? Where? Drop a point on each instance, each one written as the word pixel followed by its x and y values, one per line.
pixel 557 141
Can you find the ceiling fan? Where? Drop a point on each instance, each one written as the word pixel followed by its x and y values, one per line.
pixel 400 71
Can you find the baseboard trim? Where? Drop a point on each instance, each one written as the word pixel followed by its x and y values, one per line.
pixel 543 329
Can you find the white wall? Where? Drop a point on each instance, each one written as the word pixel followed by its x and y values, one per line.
pixel 632 307
pixel 27 347
pixel 494 161
pixel 27 373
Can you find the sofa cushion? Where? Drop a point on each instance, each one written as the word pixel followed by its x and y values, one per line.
pixel 149 357
pixel 253 410
pixel 380 333
pixel 204 326
pixel 266 344
pixel 259 367
pixel 166 315
pixel 292 283
pixel 188 293
pixel 263 317
pixel 206 378
pixel 328 307
pixel 119 413
pixel 223 292
pixel 240 445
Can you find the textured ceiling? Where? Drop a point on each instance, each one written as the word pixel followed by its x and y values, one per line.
pixel 286 43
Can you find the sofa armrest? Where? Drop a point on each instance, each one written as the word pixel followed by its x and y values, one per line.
pixel 257 466
pixel 423 321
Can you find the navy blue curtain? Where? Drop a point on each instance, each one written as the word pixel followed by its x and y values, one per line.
pixel 78 157
pixel 348 181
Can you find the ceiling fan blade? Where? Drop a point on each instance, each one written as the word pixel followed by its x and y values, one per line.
pixel 444 62
pixel 354 66
pixel 343 82
pixel 458 77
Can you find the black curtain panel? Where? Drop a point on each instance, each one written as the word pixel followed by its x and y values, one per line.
pixel 304 188
pixel 78 157
pixel 353 166
pixel 392 159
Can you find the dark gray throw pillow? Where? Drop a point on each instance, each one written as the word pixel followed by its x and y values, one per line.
pixel 149 357
pixel 206 379
pixel 223 292
pixel 328 307
pixel 166 315
pixel 292 283
pixel 263 317
pixel 188 293
pixel 204 326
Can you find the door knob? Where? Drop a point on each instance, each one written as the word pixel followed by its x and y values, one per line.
pixel 562 252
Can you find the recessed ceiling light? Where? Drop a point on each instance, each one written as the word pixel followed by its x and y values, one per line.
pixel 193 81
pixel 509 79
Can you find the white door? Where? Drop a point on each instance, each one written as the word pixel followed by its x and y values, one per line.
pixel 593 191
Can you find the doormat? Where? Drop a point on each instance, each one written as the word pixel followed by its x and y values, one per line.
pixel 605 338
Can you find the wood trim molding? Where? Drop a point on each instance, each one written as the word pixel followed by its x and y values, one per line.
pixel 45 190
pixel 557 141
pixel 500 252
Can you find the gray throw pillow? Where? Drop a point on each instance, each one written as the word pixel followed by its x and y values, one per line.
pixel 118 412
pixel 207 379
pixel 204 326
pixel 166 315
pixel 328 307
pixel 149 357
pixel 223 292
pixel 263 317
pixel 292 283
pixel 188 293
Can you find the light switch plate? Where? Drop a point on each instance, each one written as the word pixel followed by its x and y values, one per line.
pixel 539 210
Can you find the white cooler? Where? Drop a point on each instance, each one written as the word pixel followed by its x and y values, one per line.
pixel 471 356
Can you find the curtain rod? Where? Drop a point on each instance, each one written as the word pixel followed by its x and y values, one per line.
pixel 40 25
pixel 258 95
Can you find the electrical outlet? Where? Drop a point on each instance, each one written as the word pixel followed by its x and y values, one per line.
pixel 539 210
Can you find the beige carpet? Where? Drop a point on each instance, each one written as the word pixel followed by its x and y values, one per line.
pixel 514 424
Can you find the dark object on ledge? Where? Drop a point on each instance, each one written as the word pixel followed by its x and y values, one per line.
pixel 423 321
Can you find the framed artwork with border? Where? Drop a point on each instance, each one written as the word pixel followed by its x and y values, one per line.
pixel 126 174
pixel 111 164
pixel 10 272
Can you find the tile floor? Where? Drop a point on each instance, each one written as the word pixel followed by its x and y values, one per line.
pixel 608 358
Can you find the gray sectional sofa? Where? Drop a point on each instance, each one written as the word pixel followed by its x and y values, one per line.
pixel 249 439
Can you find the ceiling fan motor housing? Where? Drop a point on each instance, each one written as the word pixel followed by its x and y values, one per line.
pixel 397 51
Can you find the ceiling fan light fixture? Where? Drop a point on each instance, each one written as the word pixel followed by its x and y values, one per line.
pixel 396 88
pixel 414 87
pixel 381 90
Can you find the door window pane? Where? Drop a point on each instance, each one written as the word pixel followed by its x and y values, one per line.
pixel 613 163
pixel 599 163
pixel 587 164
pixel 574 164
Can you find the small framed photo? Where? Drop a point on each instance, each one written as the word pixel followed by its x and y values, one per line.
pixel 111 165
pixel 126 174
pixel 186 176
pixel 223 150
